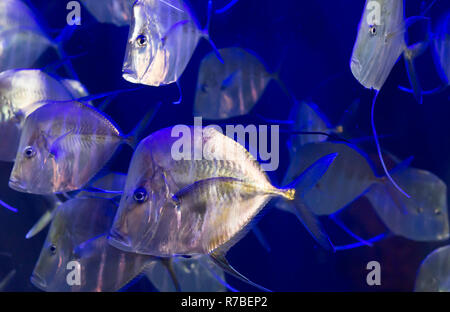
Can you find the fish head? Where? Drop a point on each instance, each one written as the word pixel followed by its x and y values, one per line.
pixel 35 168
pixel 141 204
pixel 50 270
pixel 141 46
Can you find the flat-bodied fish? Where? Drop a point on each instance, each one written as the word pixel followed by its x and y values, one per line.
pixel 434 272
pixel 62 147
pixel 117 12
pixel 76 242
pixel 231 88
pixel 162 39
pixel 379 43
pixel 199 203
pixel 22 92
pixel 424 216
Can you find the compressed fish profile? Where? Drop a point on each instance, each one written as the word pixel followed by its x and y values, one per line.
pixel 16 14
pixel 62 147
pixel 162 39
pixel 379 43
pixel 22 91
pixel 231 88
pixel 117 12
pixel 424 216
pixel 200 203
pixel 78 236
pixel 434 272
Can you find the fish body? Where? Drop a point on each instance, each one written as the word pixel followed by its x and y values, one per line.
pixel 15 14
pixel 62 147
pixel 379 43
pixel 77 240
pixel 22 92
pixel 162 39
pixel 231 88
pixel 424 216
pixel 434 272
pixel 226 176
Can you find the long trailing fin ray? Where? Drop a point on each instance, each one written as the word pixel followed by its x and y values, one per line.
pixel 348 231
pixel 226 7
pixel 377 143
pixel 360 244
pixel 217 277
pixel 261 239
pixel 5 205
pixel 223 263
pixel 207 36
pixel 41 224
pixel 133 138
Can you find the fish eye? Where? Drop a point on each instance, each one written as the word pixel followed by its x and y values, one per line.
pixel 141 40
pixel 373 30
pixel 29 152
pixel 52 249
pixel 140 195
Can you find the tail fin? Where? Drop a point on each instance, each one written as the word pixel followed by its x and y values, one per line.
pixel 133 138
pixel 302 184
pixel 64 36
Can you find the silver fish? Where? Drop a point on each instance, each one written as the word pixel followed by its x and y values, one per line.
pixel 162 39
pixel 231 88
pixel 62 147
pixel 78 233
pixel 379 43
pixel 21 93
pixel 434 272
pixel 188 206
pixel 117 12
pixel 424 216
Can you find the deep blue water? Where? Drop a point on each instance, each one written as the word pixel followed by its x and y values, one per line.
pixel 313 40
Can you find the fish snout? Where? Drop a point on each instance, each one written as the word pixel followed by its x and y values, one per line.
pixel 356 67
pixel 38 281
pixel 119 241
pixel 130 75
pixel 16 185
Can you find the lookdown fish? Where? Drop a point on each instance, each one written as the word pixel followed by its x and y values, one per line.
pixel 22 91
pixel 162 39
pixel 62 147
pixel 22 40
pixel 201 202
pixel 381 41
pixel 195 274
pixel 117 12
pixel 231 88
pixel 424 216
pixel 76 242
pixel 434 272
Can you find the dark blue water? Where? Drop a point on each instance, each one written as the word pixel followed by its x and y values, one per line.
pixel 313 42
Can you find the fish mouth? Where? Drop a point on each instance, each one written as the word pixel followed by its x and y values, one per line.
pixel 130 76
pixel 355 66
pixel 119 241
pixel 38 281
pixel 17 186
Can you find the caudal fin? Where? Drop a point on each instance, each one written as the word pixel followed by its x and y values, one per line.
pixel 308 179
